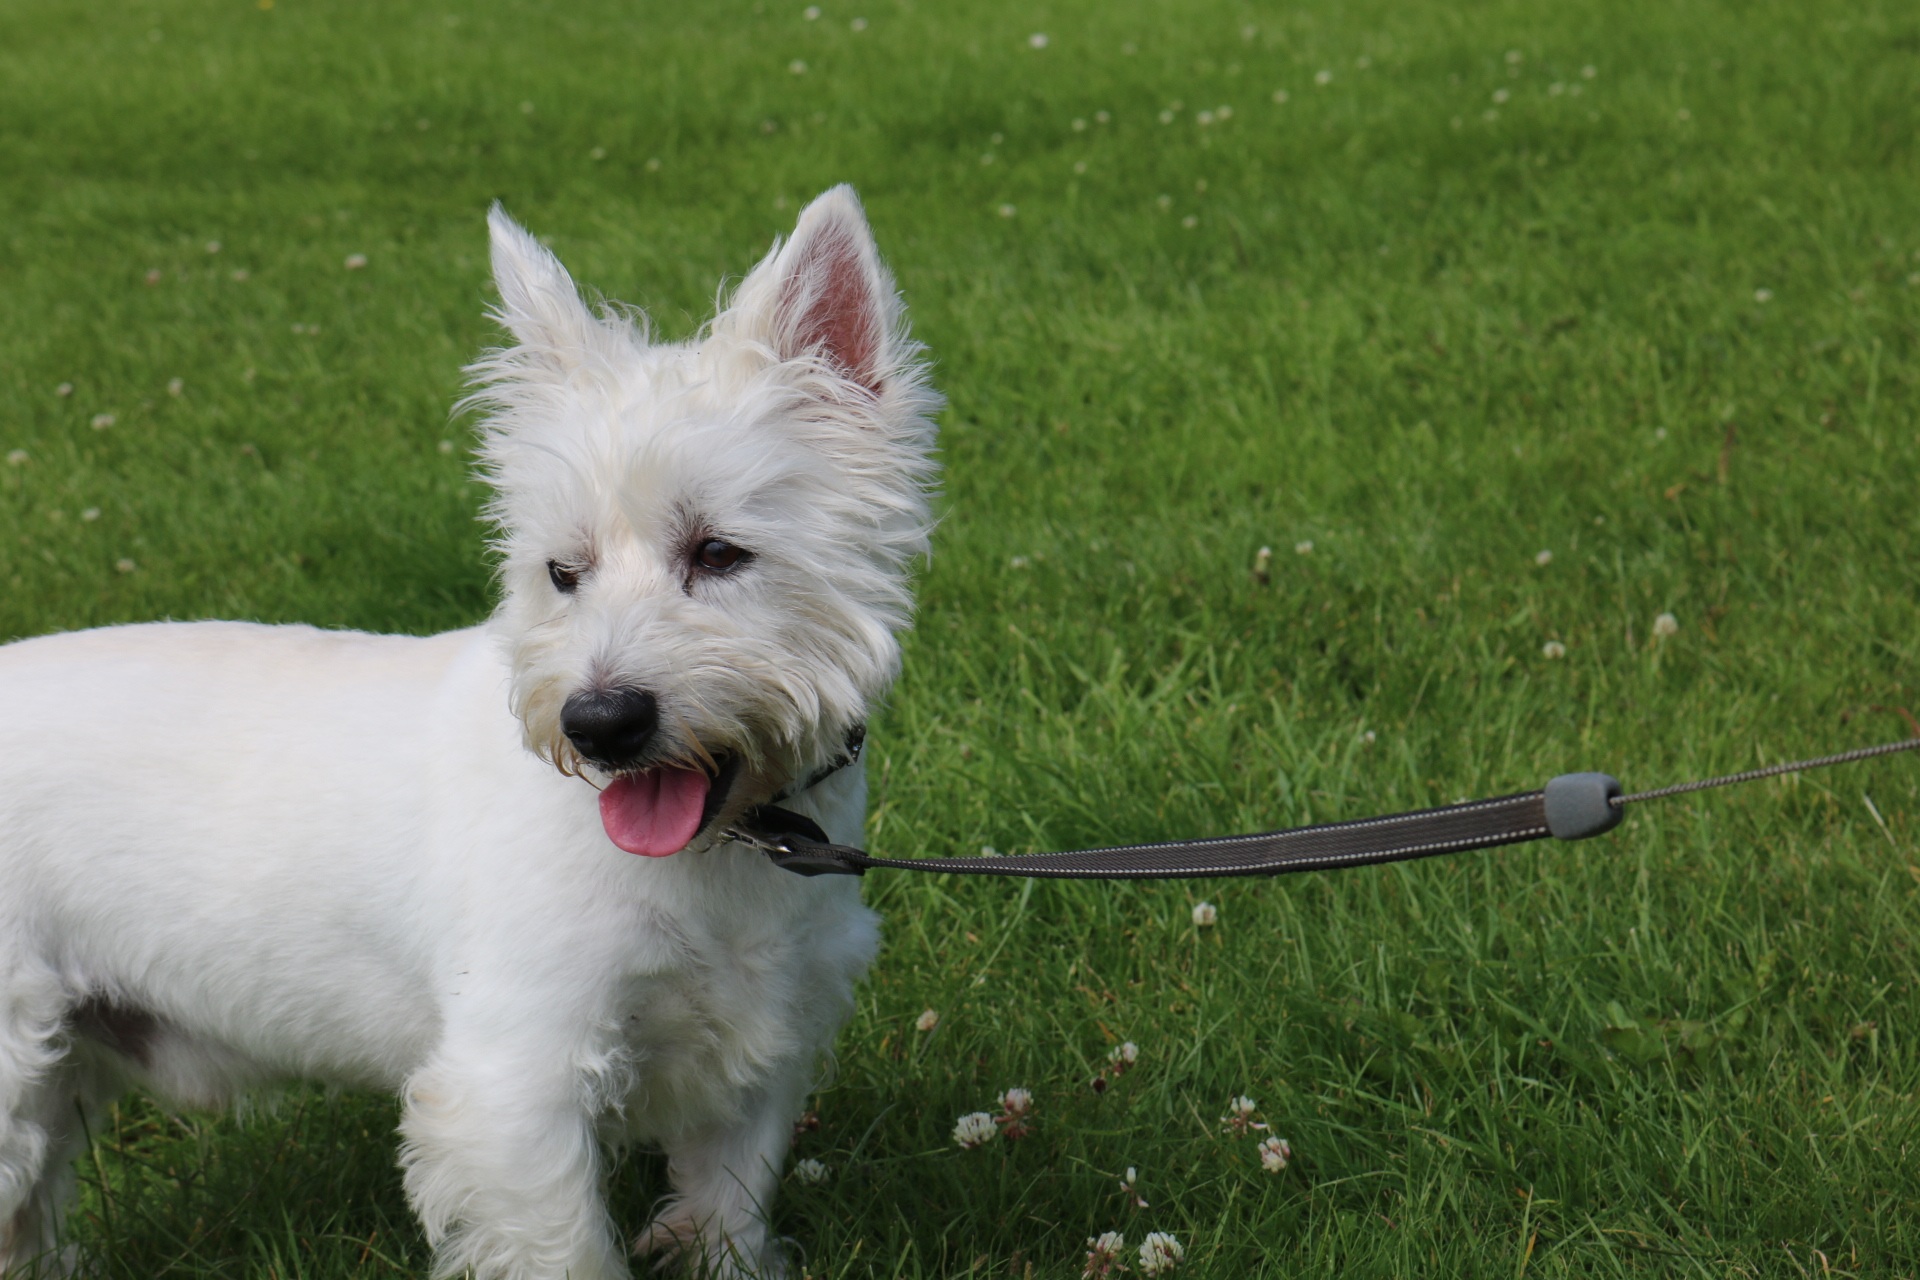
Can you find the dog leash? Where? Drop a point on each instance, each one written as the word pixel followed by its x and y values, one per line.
pixel 1574 806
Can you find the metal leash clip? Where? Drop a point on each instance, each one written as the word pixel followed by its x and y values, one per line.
pixel 795 843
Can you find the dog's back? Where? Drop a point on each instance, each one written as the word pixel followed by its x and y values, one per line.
pixel 165 788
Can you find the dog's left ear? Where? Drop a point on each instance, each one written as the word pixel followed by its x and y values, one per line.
pixel 825 293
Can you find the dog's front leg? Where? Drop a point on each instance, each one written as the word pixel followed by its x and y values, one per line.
pixel 503 1168
pixel 723 1186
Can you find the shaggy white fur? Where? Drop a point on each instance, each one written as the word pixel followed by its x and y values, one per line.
pixel 234 853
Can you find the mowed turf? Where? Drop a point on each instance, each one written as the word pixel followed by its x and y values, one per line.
pixel 1504 326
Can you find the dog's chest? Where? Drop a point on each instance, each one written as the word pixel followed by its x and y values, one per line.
pixel 747 995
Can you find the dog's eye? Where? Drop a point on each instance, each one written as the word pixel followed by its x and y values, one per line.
pixel 716 555
pixel 566 579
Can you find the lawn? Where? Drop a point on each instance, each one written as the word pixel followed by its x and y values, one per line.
pixel 1507 327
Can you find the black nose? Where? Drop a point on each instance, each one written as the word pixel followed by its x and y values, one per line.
pixel 611 727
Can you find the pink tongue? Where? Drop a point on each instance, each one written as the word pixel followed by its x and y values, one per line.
pixel 654 813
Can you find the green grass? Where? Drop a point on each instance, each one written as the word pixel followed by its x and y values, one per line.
pixel 1429 333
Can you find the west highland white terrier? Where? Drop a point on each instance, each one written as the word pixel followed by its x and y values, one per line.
pixel 232 853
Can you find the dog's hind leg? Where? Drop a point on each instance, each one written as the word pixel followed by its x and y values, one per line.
pixel 66 1104
pixel 38 1123
pixel 503 1168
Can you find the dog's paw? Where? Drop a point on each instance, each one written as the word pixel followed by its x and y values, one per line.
pixel 666 1239
pixel 675 1242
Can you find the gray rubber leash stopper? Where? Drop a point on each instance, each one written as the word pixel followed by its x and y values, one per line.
pixel 1579 805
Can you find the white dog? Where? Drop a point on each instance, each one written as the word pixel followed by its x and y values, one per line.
pixel 230 853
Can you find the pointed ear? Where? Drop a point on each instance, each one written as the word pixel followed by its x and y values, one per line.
pixel 825 293
pixel 539 305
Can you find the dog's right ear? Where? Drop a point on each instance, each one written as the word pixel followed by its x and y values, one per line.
pixel 539 304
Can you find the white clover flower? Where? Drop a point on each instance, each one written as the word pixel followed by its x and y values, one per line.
pixel 17 457
pixel 176 386
pixel 1303 547
pixel 1103 1255
pixel 975 1129
pixel 1553 649
pixel 1125 1054
pixel 1279 95
pixel 1160 1253
pixel 1555 89
pixel 90 514
pixel 1007 211
pixel 1205 914
pixel 1588 72
pixel 1038 40
pixel 1203 118
pixel 1190 222
pixel 101 421
pixel 811 13
pixel 1223 113
pixel 1101 117
pixel 858 24
pixel 1274 1154
pixel 797 67
pixel 1016 1113
pixel 64 389
pixel 1501 95
pixel 1079 166
pixel 1544 559
pixel 1369 737
pixel 1513 57
pixel 927 1020
pixel 1079 125
pixel 125 566
pixel 1763 295
pixel 1666 625
pixel 1166 117
pixel 239 275
pixel 1239 1118
pixel 445 446
pixel 358 261
pixel 1164 201
pixel 1323 78
pixel 810 1171
pixel 213 246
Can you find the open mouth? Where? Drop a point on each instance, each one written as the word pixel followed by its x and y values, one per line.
pixel 658 811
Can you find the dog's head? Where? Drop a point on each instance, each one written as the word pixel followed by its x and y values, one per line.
pixel 705 546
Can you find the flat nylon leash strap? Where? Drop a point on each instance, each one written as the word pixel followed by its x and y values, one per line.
pixel 1571 807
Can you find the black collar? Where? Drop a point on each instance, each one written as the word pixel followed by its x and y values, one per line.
pixel 856 740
